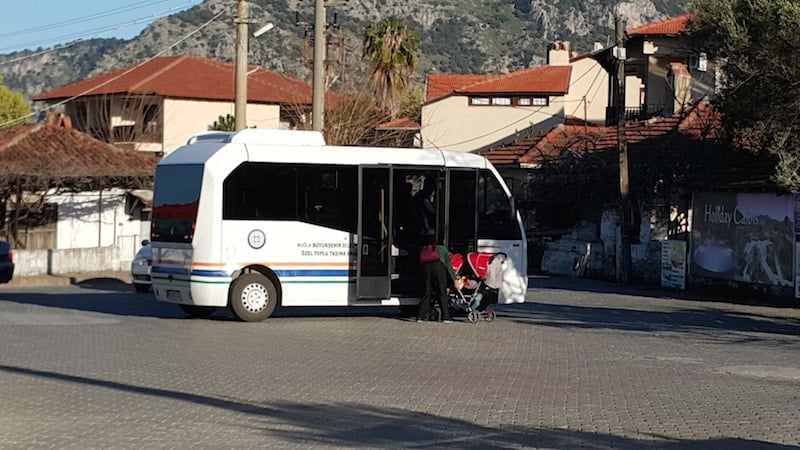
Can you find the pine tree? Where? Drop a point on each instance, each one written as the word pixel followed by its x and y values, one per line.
pixel 13 107
pixel 760 98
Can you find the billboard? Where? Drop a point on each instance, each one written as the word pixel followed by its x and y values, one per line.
pixel 797 213
pixel 797 270
pixel 743 237
pixel 673 264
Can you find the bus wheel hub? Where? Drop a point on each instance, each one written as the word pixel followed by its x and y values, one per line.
pixel 255 297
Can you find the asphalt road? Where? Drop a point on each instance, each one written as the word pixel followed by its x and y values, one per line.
pixel 581 365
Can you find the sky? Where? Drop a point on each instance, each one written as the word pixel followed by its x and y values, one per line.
pixel 31 24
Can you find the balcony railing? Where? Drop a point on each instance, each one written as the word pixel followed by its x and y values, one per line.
pixel 643 112
pixel 129 133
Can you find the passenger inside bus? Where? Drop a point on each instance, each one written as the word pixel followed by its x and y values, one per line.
pixel 424 212
pixel 408 228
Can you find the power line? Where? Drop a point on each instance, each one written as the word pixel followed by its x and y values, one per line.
pixel 549 116
pixel 43 52
pixel 97 32
pixel 77 20
pixel 131 69
pixel 538 110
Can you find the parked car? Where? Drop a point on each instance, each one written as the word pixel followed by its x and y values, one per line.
pixel 140 267
pixel 6 262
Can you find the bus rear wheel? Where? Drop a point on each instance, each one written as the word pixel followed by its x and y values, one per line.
pixel 253 297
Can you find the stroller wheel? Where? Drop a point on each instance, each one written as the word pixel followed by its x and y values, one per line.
pixel 489 315
pixel 473 316
pixel 409 310
pixel 433 315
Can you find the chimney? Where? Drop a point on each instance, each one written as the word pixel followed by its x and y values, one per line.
pixel 558 53
pixel 59 119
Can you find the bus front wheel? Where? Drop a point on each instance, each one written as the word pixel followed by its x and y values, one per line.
pixel 253 297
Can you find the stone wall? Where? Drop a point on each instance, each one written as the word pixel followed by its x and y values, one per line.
pixel 591 251
pixel 30 263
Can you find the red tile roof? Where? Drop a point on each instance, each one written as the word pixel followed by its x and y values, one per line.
pixel 43 149
pixel 510 153
pixel 188 76
pixel 403 123
pixel 534 80
pixel 668 27
pixel 441 84
pixel 701 122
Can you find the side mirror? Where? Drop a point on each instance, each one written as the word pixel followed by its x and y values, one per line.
pixel 145 242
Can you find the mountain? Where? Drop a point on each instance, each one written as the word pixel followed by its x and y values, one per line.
pixel 458 36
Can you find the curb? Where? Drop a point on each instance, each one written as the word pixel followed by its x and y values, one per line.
pixel 67 279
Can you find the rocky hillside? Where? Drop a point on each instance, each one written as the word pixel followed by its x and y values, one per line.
pixel 458 36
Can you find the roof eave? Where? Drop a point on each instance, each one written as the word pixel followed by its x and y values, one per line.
pixel 549 93
pixel 436 99
pixel 652 35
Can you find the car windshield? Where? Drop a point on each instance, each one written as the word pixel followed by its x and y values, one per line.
pixel 145 252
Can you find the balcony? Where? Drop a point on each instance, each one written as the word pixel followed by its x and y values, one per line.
pixel 151 134
pixel 643 112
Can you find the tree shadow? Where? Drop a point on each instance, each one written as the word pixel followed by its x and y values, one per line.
pixel 119 298
pixel 121 303
pixel 363 425
pixel 650 291
pixel 716 325
pixel 339 311
pixel 103 284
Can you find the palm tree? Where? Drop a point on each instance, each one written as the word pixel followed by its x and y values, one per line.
pixel 390 50
pixel 224 123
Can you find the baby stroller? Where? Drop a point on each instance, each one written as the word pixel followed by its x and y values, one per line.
pixel 456 301
pixel 468 293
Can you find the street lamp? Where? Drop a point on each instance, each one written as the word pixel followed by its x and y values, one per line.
pixel 242 21
pixel 263 29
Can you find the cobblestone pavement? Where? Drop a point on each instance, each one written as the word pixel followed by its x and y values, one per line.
pixel 581 365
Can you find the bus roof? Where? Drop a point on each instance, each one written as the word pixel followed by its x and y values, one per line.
pixel 282 146
pixel 256 136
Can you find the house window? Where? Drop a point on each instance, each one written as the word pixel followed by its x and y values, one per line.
pixel 509 101
pixel 78 113
pixel 540 101
pixel 151 124
pixel 479 101
pixel 531 101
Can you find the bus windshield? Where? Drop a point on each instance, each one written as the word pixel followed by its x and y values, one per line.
pixel 175 202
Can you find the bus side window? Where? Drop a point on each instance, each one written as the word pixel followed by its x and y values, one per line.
pixel 462 223
pixel 259 191
pixel 329 196
pixel 495 216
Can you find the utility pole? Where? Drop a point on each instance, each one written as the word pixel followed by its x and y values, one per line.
pixel 242 20
pixel 318 83
pixel 622 146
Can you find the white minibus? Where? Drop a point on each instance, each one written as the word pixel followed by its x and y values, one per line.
pixel 264 218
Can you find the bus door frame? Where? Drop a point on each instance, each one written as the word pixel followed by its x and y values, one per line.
pixel 374 268
pixel 451 216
